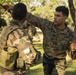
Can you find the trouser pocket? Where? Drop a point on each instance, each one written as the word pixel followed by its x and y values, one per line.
pixel 48 65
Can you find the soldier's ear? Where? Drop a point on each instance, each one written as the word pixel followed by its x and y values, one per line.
pixel 65 17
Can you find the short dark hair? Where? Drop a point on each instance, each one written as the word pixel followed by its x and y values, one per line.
pixel 19 11
pixel 63 9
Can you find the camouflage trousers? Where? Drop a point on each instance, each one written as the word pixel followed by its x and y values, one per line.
pixel 54 66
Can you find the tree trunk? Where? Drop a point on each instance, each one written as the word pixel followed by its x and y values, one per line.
pixel 72 9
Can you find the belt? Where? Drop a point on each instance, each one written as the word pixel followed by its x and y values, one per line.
pixel 52 58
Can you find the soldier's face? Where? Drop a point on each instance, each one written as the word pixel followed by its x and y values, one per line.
pixel 59 18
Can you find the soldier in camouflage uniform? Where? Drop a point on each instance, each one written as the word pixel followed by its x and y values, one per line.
pixel 31 31
pixel 57 39
pixel 14 38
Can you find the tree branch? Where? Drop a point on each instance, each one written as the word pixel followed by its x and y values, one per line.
pixel 72 9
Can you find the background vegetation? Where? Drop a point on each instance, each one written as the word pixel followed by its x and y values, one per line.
pixel 44 9
pixel 37 7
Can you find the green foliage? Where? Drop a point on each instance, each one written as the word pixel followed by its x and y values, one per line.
pixel 2 22
pixel 74 1
pixel 44 11
pixel 8 1
pixel 27 2
pixel 41 11
pixel 47 11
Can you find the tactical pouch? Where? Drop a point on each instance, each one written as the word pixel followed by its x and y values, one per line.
pixel 21 63
pixel 27 56
pixel 8 57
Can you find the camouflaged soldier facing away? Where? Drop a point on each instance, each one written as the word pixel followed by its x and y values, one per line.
pixel 57 39
pixel 14 42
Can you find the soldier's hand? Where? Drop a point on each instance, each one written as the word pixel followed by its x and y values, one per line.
pixel 73 46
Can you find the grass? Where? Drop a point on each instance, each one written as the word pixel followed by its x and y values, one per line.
pixel 37 69
pixel 71 70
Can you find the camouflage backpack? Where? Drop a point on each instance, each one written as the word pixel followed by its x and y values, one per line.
pixel 28 56
pixel 9 55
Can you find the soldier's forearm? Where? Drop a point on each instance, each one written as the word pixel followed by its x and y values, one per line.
pixel 32 19
pixel 35 20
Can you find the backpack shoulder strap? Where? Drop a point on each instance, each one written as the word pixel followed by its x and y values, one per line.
pixel 6 30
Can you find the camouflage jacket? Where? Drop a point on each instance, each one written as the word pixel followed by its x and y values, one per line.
pixel 18 37
pixel 55 42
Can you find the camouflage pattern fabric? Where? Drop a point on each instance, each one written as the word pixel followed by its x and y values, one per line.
pixel 55 42
pixel 17 38
pixel 0 74
pixel 24 45
pixel 8 58
pixel 31 30
pixel 24 41
pixel 58 67
pixel 54 66
pixel 8 73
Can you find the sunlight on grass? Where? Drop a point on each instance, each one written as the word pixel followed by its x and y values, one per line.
pixel 36 70
pixel 70 71
pixel 36 66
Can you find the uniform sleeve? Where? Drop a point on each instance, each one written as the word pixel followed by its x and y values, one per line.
pixel 38 21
